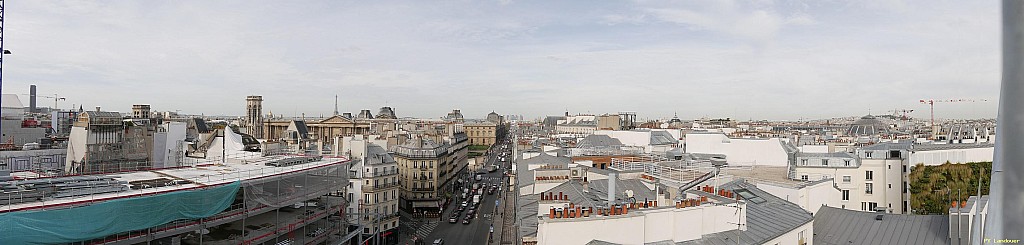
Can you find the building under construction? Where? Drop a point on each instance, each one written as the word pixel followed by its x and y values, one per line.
pixel 231 195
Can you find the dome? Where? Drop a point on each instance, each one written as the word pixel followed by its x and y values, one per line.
pixel 867 125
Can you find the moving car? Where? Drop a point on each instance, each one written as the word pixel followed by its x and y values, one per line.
pixel 439 241
pixel 454 218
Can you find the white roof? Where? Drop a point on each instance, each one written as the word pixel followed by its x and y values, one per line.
pixel 11 101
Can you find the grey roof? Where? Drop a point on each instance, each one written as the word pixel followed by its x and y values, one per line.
pixel 885 146
pixel 552 120
pixel 597 191
pixel 789 147
pixel 101 114
pixel 300 127
pixel 867 125
pixel 526 215
pixel 826 155
pixel 545 158
pixel 386 113
pixel 200 125
pixel 376 154
pixel 765 220
pixel 662 138
pixel 595 140
pixel 840 226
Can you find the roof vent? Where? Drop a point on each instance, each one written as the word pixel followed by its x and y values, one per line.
pixel 878 217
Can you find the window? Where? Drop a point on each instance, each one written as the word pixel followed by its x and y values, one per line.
pixel 846 195
pixel 867 188
pixel 803 162
pixel 869 175
pixel 890 186
pixel 872 206
pixel 888 166
pixel 824 162
pixel 803 177
pixel 904 168
pixel 867 154
pixel 846 163
pixel 846 179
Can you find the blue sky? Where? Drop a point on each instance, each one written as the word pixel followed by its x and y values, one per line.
pixel 740 59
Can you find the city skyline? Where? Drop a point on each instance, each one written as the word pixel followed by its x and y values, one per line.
pixel 760 60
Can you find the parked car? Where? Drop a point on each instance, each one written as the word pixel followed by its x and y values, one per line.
pixel 454 218
pixel 466 220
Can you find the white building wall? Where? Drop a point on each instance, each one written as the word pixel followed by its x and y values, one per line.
pixel 640 227
pixel 882 176
pixel 939 157
pixel 810 198
pixel 793 237
pixel 766 152
pixel 814 148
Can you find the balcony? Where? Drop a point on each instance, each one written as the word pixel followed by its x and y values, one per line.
pixel 427 189
pixel 383 173
pixel 378 187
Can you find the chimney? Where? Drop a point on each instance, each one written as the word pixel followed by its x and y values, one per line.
pixel 97 109
pixel 32 98
pixel 611 188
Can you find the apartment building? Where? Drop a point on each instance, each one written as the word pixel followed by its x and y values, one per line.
pixel 428 166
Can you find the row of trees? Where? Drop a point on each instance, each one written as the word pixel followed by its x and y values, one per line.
pixel 934 188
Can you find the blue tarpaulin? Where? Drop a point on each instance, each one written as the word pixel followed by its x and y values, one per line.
pixel 113 217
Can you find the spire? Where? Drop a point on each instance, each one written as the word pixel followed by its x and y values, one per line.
pixel 335 104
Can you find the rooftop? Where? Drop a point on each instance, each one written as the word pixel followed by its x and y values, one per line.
pixel 840 226
pixel 766 219
pixel 241 169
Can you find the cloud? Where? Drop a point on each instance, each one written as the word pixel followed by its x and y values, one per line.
pixel 741 59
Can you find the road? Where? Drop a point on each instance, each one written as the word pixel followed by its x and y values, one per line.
pixel 477 231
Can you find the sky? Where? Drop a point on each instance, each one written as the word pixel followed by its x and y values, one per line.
pixel 776 60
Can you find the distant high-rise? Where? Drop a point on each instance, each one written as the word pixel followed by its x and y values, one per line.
pixel 254 116
pixel 32 98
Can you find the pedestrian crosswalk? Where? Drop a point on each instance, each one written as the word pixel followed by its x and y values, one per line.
pixel 426 228
pixel 491 179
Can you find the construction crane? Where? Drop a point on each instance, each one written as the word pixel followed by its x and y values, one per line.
pixel 901 113
pixel 55 98
pixel 931 107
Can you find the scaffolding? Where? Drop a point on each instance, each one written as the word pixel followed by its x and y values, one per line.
pixel 294 204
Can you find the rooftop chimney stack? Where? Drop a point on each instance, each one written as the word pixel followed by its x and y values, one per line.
pixel 611 188
pixel 32 98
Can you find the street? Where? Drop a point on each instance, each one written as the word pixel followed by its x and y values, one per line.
pixel 478 230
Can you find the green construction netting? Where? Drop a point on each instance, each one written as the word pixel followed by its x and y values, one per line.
pixel 113 217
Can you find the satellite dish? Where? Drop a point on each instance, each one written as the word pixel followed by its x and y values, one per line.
pixel 629 193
